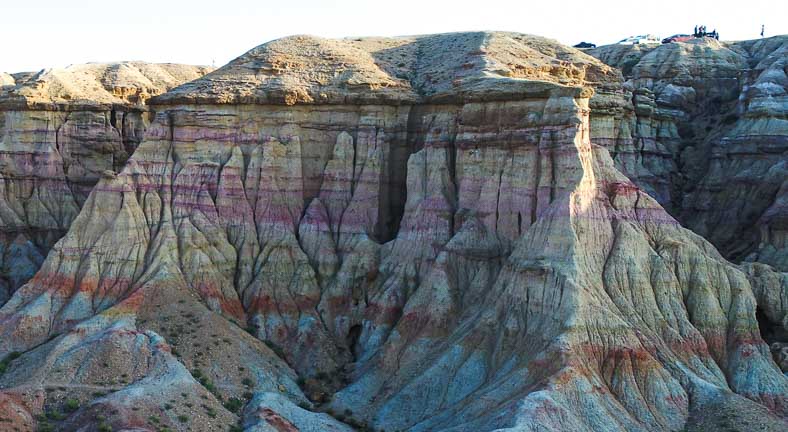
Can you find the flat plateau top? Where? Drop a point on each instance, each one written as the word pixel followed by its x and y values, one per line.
pixel 93 84
pixel 442 68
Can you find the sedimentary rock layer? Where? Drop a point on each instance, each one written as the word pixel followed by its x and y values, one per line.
pixel 705 133
pixel 425 232
pixel 61 130
pixel 702 127
pixel 741 203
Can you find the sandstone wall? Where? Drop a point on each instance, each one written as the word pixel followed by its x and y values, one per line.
pixel 423 259
pixel 704 134
pixel 50 162
pixel 740 203
pixel 60 131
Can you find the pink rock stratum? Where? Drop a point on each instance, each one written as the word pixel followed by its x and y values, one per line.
pixel 60 131
pixel 421 233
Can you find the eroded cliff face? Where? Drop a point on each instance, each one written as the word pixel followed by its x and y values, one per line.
pixel 62 129
pixel 426 236
pixel 675 96
pixel 705 134
pixel 741 202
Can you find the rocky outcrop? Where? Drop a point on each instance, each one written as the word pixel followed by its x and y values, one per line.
pixel 422 228
pixel 741 203
pixel 6 80
pixel 705 134
pixel 676 94
pixel 269 412
pixel 61 131
pixel 771 294
pixel 721 159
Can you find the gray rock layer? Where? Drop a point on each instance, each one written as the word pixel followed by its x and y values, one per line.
pixel 432 246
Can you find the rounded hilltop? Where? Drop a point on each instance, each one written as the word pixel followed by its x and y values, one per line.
pixel 400 70
pixel 6 80
pixel 93 84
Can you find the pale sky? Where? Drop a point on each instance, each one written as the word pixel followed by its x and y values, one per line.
pixel 36 34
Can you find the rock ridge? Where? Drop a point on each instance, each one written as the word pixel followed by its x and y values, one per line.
pixel 474 264
pixel 61 130
pixel 702 127
pixel 93 86
pixel 445 68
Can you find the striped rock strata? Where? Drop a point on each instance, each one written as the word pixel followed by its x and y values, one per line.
pixel 706 133
pixel 702 127
pixel 60 131
pixel 421 228
pixel 675 94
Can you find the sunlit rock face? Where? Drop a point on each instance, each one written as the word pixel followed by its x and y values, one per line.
pixel 416 234
pixel 701 126
pixel 61 130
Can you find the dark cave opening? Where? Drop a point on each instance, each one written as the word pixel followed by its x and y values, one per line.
pixel 393 194
pixel 770 331
pixel 353 336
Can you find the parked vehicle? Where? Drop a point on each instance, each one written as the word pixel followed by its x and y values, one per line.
pixel 585 45
pixel 701 31
pixel 642 39
pixel 677 38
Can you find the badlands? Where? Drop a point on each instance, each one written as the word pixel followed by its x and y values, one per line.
pixel 453 232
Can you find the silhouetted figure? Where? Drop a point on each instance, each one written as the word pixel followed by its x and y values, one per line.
pixel 762 29
pixel 696 32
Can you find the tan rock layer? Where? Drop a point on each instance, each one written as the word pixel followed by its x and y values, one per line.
pixel 701 127
pixel 478 265
pixel 61 130
pixel 445 68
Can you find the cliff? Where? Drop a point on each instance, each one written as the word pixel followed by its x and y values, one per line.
pixel 415 234
pixel 61 130
pixel 702 127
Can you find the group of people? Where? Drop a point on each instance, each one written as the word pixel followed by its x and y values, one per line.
pixel 700 31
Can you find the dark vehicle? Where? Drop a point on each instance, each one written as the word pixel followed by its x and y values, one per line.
pixel 585 45
pixel 701 32
pixel 677 38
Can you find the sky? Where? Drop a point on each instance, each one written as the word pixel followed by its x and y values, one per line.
pixel 55 33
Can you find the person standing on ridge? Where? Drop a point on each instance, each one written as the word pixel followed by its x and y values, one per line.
pixel 762 28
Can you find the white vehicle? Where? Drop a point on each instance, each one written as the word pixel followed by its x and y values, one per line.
pixel 642 39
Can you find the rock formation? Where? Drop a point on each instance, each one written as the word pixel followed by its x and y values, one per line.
pixel 60 131
pixel 417 233
pixel 702 127
pixel 741 203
